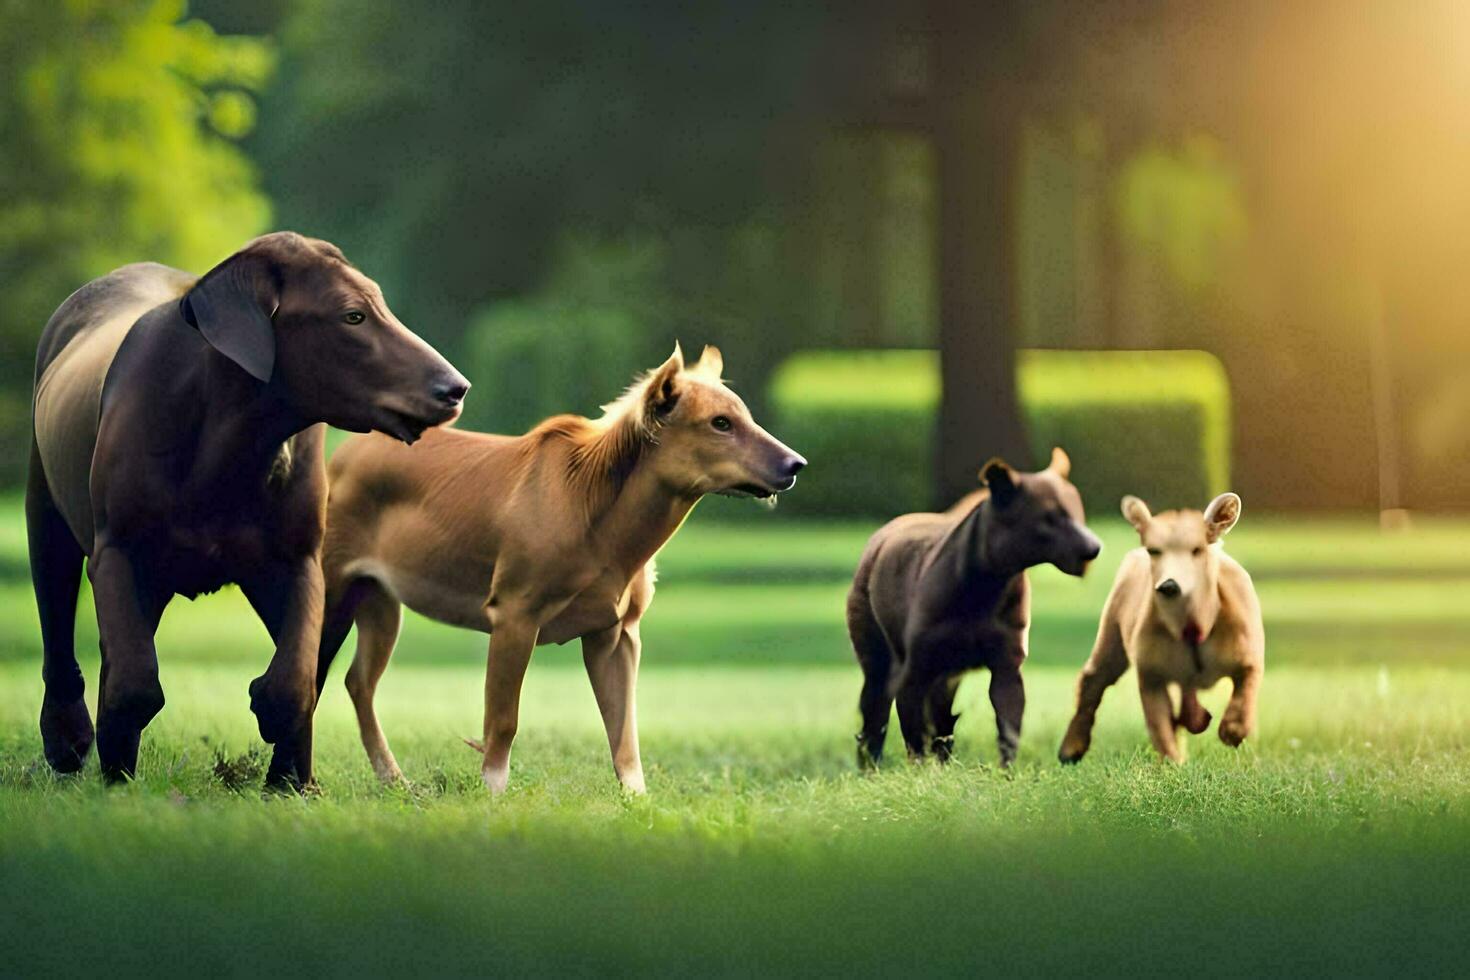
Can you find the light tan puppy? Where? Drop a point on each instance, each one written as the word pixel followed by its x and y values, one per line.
pixel 540 538
pixel 1186 615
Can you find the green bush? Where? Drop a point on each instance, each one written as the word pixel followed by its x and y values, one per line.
pixel 1154 423
pixel 532 359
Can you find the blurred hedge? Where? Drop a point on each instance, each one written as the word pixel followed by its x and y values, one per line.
pixel 1152 423
pixel 527 357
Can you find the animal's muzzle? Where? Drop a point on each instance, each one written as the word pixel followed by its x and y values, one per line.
pixel 1168 588
pixel 449 390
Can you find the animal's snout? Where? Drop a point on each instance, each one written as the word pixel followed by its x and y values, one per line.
pixel 450 389
pixel 1091 550
pixel 791 466
pixel 1168 588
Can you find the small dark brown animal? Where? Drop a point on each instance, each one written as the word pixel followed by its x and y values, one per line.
pixel 936 595
pixel 178 447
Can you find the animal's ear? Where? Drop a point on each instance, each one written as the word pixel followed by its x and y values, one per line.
pixel 1136 512
pixel 1002 481
pixel 1061 463
pixel 232 308
pixel 662 392
pixel 1221 516
pixel 710 363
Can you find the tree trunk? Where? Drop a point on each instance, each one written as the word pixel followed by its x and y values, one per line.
pixel 977 141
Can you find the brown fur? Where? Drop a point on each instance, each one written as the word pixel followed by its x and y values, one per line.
pixel 936 595
pixel 541 538
pixel 1186 615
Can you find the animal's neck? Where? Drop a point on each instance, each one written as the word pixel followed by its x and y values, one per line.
pixel 248 425
pixel 641 518
pixel 1205 609
pixel 969 547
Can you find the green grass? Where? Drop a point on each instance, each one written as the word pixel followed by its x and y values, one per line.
pixel 1337 841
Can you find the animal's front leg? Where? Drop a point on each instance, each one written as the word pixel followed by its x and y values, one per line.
pixel 288 597
pixel 1008 697
pixel 1240 715
pixel 612 667
pixel 942 714
pixel 511 645
pixel 128 610
pixel 1158 715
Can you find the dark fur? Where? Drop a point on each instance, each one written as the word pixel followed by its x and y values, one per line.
pixel 936 595
pixel 188 455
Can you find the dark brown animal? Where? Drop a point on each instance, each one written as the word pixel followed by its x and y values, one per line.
pixel 936 595
pixel 178 447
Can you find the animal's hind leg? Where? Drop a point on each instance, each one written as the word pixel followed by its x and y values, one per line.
pixel 340 610
pixel 1008 697
pixel 913 693
pixel 875 703
pixel 56 575
pixel 379 617
pixel 942 715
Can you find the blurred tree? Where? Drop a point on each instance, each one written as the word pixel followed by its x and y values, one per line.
pixel 117 129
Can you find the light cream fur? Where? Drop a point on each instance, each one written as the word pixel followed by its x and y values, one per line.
pixel 1209 631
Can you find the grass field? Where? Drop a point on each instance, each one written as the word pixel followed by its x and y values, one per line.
pixel 1337 841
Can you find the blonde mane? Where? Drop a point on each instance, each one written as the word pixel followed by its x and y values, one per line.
pixel 603 452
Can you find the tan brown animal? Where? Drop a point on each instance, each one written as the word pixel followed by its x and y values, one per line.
pixel 936 595
pixel 541 538
pixel 1186 615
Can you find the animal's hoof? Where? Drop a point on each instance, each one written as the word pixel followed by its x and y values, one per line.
pixel 1072 750
pixel 278 714
pixel 943 747
pixel 66 734
pixel 495 779
pixel 1232 732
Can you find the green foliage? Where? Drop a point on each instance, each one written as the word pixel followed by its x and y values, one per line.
pixel 1156 424
pixel 614 307
pixel 1184 206
pixel 533 359
pixel 117 121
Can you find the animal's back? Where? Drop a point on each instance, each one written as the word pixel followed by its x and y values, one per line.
pixel 890 568
pixel 72 360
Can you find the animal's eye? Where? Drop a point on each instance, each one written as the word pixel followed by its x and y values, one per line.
pixel 721 423
pixel 1198 551
pixel 353 316
pixel 1154 552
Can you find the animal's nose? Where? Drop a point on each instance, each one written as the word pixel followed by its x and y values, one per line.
pixel 451 391
pixel 1168 588
pixel 792 465
pixel 1092 551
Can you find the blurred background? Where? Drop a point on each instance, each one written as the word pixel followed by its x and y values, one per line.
pixel 1201 245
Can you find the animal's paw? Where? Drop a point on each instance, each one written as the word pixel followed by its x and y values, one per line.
pixel 1193 721
pixel 868 753
pixel 66 734
pixel 1233 730
pixel 943 747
